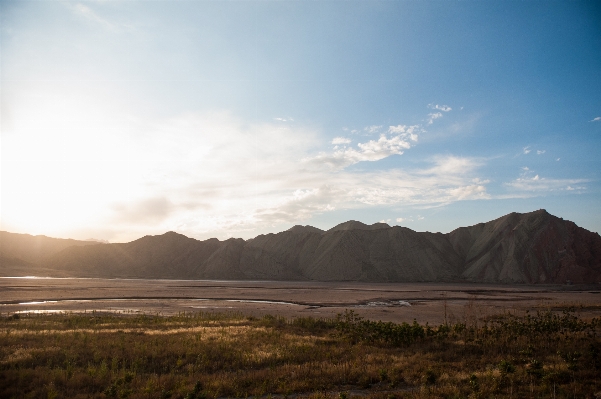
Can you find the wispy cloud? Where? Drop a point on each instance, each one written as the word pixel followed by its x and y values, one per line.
pixel 372 150
pixel 212 174
pixel 532 182
pixel 225 177
pixel 410 130
pixel 86 12
pixel 540 152
pixel 340 140
pixel 444 108
pixel 147 210
pixel 526 150
pixel 411 218
pixel 373 129
pixel 597 119
pixel 433 116
pixel 541 184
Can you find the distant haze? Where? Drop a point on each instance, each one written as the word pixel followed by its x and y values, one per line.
pixel 121 119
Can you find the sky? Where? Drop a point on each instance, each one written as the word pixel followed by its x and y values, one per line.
pixel 120 119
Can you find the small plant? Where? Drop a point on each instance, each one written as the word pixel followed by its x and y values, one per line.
pixel 364 382
pixel 506 367
pixel 535 369
pixel 429 377
pixel 474 383
pixel 111 391
pixel 571 359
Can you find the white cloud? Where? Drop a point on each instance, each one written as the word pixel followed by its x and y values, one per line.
pixel 452 166
pixel 433 116
pixel 341 140
pixel 373 129
pixel 539 152
pixel 597 119
pixel 526 150
pixel 450 179
pixel 410 130
pixel 400 220
pixel 86 12
pixel 540 184
pixel 466 192
pixel 372 150
pixel 558 159
pixel 533 183
pixel 397 129
pixel 444 108
pixel 211 174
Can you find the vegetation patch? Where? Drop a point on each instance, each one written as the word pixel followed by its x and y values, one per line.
pixel 205 355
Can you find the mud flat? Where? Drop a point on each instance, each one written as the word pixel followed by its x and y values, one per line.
pixel 398 302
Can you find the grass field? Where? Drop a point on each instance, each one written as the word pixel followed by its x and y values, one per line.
pixel 207 355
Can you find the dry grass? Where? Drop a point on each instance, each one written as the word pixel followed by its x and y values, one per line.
pixel 228 355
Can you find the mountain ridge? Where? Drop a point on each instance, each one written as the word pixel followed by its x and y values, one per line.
pixel 534 247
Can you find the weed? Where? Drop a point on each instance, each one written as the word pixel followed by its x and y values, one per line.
pixel 203 355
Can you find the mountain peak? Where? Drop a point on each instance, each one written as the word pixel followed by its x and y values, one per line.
pixel 172 233
pixel 355 225
pixel 304 229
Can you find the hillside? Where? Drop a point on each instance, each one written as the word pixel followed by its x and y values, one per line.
pixel 24 254
pixel 533 247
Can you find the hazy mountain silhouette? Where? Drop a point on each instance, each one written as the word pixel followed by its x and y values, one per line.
pixel 533 247
pixel 23 254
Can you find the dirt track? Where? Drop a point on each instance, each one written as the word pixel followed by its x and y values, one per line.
pixel 425 302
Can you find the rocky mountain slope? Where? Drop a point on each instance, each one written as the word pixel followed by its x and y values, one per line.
pixel 533 247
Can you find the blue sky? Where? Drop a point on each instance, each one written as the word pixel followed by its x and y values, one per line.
pixel 233 119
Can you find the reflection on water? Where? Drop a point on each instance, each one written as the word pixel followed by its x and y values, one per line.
pixel 169 305
pixel 262 301
pixel 143 305
pixel 41 311
pixel 41 302
pixel 384 304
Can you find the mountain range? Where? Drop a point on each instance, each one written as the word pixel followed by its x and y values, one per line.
pixel 534 247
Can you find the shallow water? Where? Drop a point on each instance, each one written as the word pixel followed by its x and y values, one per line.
pixel 425 302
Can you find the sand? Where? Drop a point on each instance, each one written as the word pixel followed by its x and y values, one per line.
pixel 397 302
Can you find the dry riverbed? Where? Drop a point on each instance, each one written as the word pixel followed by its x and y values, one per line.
pixel 396 302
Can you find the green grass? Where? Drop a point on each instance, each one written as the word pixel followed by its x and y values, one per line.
pixel 205 355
